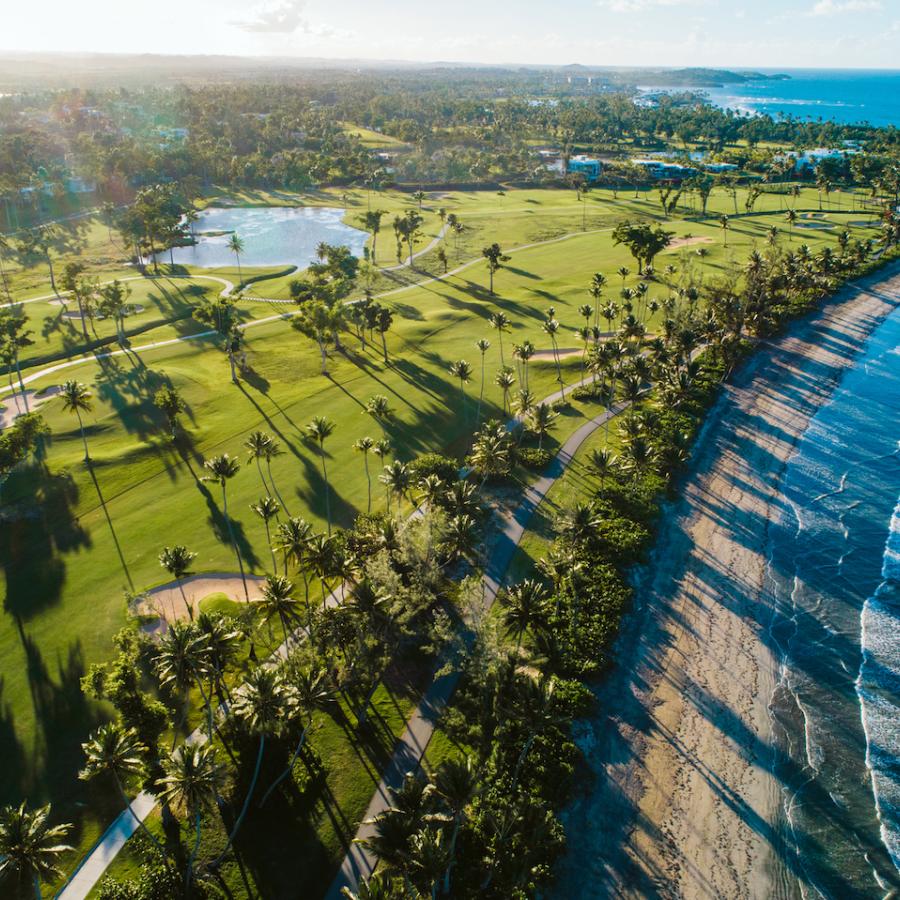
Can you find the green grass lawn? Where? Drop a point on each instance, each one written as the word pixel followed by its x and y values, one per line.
pixel 87 536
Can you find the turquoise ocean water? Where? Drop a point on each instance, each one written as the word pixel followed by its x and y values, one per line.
pixel 848 95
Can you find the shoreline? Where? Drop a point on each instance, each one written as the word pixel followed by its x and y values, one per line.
pixel 684 802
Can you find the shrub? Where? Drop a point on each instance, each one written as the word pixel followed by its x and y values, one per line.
pixel 532 458
pixel 433 464
pixel 586 393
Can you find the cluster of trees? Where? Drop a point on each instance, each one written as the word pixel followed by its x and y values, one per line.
pixel 160 217
pixel 291 135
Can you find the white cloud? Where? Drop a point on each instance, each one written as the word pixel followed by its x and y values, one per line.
pixel 836 7
pixel 281 18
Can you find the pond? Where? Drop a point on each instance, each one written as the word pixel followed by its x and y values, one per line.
pixel 272 236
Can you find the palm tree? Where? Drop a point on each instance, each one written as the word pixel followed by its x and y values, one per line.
pixel 495 258
pixel 429 858
pixel 378 886
pixel 482 345
pixel 500 323
pixel 29 846
pixel 551 328
pixel 320 558
pixel 319 430
pixel 579 523
pixel 292 539
pixel 540 419
pixel 543 711
pixel 523 605
pixel 182 658
pixel 505 380
pixel 278 601
pixel 272 451
pixel 791 216
pixel 463 371
pixel 236 246
pixel 177 562
pixel 456 783
pixel 170 402
pixel 382 449
pixel 379 408
pixel 116 751
pixel 259 705
pixel 603 463
pixel 364 445
pixel 639 456
pixel 310 691
pixel 257 446
pixel 267 509
pixel 598 283
pixel 396 480
pixel 724 225
pixel 223 641
pixel 76 398
pixel 192 779
pixel 221 470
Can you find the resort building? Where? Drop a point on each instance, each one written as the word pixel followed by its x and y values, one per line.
pixel 585 165
pixel 664 170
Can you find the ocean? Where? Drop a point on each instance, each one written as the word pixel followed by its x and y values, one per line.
pixel 842 95
pixel 834 581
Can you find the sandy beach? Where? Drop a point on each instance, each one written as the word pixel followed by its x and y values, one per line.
pixel 684 803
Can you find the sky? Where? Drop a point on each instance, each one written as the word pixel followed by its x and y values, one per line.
pixel 715 33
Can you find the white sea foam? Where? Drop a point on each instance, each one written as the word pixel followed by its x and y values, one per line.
pixel 878 688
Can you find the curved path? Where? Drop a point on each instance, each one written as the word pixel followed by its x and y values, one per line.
pixel 81 360
pixel 426 249
pixel 359 861
pixel 94 864
pixel 227 286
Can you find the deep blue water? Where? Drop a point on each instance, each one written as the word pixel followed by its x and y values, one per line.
pixel 847 95
pixel 834 579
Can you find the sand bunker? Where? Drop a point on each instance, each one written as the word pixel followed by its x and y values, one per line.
pixel 687 241
pixel 14 405
pixel 165 603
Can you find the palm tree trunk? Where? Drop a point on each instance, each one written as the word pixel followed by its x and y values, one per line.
pixel 141 824
pixel 288 769
pixel 21 382
pixel 187 606
pixel 368 482
pixel 275 486
pixel 189 869
pixel 481 393
pixel 327 488
pixel 241 816
pixel 87 456
pixel 237 551
pixel 261 476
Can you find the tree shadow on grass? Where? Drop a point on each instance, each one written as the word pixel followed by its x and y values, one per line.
pixel 12 773
pixel 35 533
pixel 343 512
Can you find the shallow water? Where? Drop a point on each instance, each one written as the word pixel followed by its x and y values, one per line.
pixel 272 236
pixel 833 579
